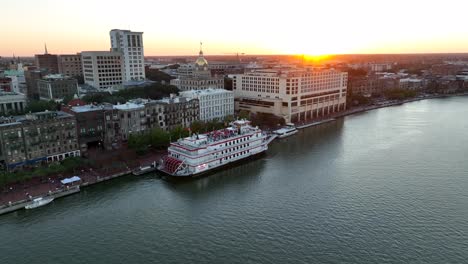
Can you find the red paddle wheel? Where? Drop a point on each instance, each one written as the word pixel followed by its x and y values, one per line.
pixel 171 164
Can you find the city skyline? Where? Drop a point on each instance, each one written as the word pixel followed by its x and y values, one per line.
pixel 335 27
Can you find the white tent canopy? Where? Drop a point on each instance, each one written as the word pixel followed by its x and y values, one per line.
pixel 70 180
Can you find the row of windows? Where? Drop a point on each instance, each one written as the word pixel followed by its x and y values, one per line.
pixel 237 155
pixel 237 141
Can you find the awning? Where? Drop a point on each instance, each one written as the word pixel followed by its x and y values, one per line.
pixel 70 180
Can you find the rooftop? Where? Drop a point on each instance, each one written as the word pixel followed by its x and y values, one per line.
pixel 46 115
pixel 2 93
pixel 89 108
pixel 55 77
pixel 129 106
pixel 208 91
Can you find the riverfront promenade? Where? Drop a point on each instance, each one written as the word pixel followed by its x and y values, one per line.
pixel 17 194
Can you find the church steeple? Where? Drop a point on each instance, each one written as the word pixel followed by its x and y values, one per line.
pixel 45 48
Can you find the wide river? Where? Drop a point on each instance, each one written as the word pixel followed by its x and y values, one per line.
pixel 385 186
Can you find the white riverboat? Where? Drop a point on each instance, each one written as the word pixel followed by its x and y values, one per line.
pixel 38 202
pixel 199 154
pixel 286 131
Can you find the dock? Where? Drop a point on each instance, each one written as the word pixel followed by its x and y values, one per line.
pixel 14 206
pixel 315 123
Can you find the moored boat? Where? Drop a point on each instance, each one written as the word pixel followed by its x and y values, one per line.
pixel 38 202
pixel 286 131
pixel 144 169
pixel 202 153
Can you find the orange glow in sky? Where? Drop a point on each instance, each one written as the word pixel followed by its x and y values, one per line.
pixel 250 27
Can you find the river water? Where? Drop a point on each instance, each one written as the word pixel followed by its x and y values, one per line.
pixel 386 186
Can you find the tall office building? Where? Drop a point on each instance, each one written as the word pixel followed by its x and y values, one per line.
pixel 130 44
pixel 102 69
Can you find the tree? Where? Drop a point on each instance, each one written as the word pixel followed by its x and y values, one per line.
pixel 399 94
pixel 157 75
pixel 159 138
pixel 198 127
pixel 228 119
pixel 179 132
pixel 244 114
pixel 35 106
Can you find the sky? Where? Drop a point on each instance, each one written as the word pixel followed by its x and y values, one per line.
pixel 244 26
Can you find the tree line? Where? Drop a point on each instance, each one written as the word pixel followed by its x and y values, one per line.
pixel 66 166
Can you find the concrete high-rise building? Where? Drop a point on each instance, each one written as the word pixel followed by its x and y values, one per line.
pixel 102 69
pixel 130 44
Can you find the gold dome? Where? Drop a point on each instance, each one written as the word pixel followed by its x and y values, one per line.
pixel 201 61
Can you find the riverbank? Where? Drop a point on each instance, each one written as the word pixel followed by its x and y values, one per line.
pixel 356 110
pixel 16 196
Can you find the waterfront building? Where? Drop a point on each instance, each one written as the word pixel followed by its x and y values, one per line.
pixel 57 87
pixel 95 125
pixel 132 118
pixel 296 94
pixel 47 62
pixel 70 65
pixel 197 76
pixel 37 138
pixel 102 69
pixel 366 85
pixel 12 103
pixel 214 103
pixel 411 83
pixel 169 113
pixel 130 44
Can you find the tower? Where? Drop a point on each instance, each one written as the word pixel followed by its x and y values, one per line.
pixel 130 44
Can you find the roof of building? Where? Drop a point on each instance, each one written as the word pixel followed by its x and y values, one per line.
pixel 76 102
pixel 13 73
pixel 88 108
pixel 208 91
pixel 57 77
pixel 15 120
pixel 11 94
pixel 129 106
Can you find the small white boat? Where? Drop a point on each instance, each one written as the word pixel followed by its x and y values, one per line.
pixel 144 169
pixel 286 131
pixel 38 202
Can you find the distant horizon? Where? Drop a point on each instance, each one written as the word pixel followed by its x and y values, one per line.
pixel 249 55
pixel 250 27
